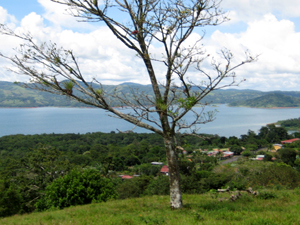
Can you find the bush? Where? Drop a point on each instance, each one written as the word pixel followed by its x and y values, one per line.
pixel 261 152
pixel 288 155
pixel 133 188
pixel 186 167
pixel 267 195
pixel 191 185
pixel 276 174
pixel 247 153
pixel 147 169
pixel 215 181
pixel 237 150
pixel 10 200
pixel 159 186
pixel 238 184
pixel 77 188
pixel 268 157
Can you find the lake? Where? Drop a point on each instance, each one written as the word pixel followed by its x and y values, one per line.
pixel 230 121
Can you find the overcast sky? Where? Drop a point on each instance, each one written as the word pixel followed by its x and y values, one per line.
pixel 270 28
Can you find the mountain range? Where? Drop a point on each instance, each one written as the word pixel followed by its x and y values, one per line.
pixel 13 95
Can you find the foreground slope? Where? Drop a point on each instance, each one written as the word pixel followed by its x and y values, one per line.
pixel 273 207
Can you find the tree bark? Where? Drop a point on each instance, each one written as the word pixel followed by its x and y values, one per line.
pixel 174 177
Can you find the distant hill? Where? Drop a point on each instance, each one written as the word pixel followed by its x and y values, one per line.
pixel 13 95
pixel 270 100
pixel 290 124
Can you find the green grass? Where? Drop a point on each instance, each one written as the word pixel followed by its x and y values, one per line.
pixel 281 208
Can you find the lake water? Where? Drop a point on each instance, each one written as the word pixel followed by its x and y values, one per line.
pixel 230 121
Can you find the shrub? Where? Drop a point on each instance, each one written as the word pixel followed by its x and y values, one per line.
pixel 261 152
pixel 268 157
pixel 288 155
pixel 159 186
pixel 267 195
pixel 191 185
pixel 77 188
pixel 247 153
pixel 215 181
pixel 276 174
pixel 133 188
pixel 237 150
pixel 238 184
pixel 186 167
pixel 10 200
pixel 147 169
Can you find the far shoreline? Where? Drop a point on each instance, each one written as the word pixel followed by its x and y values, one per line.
pixel 265 107
pixel 90 107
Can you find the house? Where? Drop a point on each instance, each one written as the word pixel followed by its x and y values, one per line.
pixel 227 154
pixel 276 147
pixel 289 141
pixel 126 177
pixel 157 163
pixel 212 153
pixel 260 157
pixel 165 170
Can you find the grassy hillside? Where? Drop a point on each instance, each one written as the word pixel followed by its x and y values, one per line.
pixel 272 207
pixel 269 101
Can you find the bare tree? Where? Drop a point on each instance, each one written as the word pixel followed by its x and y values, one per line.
pixel 168 22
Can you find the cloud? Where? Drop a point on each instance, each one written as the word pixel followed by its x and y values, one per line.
pixel 277 43
pixel 7 18
pixel 249 10
pixel 59 15
pixel 103 56
pixel 100 54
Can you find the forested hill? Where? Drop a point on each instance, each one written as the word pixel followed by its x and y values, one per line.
pixel 290 124
pixel 13 95
pixel 269 101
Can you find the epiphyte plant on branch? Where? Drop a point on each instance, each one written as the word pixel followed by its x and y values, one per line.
pixel 168 23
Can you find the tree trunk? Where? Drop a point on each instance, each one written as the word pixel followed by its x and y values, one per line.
pixel 174 178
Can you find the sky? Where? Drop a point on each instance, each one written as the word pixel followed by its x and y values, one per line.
pixel 268 28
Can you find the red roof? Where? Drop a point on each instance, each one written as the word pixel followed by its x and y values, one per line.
pixel 289 141
pixel 126 177
pixel 164 169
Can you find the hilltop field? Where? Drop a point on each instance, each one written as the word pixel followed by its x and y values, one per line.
pixel 276 207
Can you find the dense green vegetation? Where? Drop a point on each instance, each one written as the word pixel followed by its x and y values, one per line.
pixel 13 95
pixel 269 101
pixel 290 124
pixel 50 171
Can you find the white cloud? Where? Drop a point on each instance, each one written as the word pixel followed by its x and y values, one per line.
pixel 60 16
pixel 6 18
pixel 248 10
pixel 102 56
pixel 278 44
